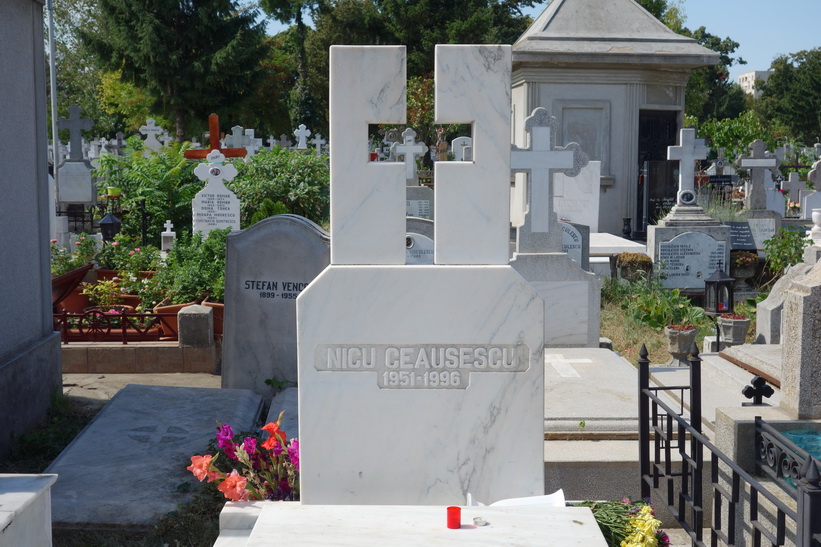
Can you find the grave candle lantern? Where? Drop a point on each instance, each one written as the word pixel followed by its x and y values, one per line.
pixel 109 227
pixel 718 293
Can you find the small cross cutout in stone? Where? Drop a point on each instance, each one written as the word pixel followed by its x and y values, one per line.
pixel 756 164
pixel 75 125
pixel 151 131
pixel 318 142
pixel 687 152
pixel 757 391
pixel 302 133
pixel 214 137
pixel 793 185
pixel 409 149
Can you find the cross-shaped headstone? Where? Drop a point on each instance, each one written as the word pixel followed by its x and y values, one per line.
pixel 151 131
pixel 167 237
pixel 539 160
pixel 756 164
pixel 302 133
pixel 318 142
pixel 687 152
pixel 213 135
pixel 720 162
pixel 409 149
pixel 195 144
pixel 165 138
pixel 117 144
pixel 284 141
pixel 168 225
pixel 237 138
pixel 793 185
pixel 75 125
pixel 462 148
pixel 214 168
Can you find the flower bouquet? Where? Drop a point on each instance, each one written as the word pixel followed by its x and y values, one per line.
pixel 250 468
pixel 626 523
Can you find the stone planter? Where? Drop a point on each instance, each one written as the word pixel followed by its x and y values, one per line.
pixel 679 343
pixel 741 275
pixel 733 331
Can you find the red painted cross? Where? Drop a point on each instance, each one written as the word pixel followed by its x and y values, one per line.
pixel 214 130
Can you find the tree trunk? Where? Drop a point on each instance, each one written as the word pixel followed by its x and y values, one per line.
pixel 180 121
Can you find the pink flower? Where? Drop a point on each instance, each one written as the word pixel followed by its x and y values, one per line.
pixel 199 466
pixel 53 241
pixel 130 252
pixel 293 453
pixel 115 244
pixel 136 249
pixel 77 243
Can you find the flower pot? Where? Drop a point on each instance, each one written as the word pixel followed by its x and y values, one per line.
pixel 113 191
pixel 75 302
pixel 679 343
pixel 733 331
pixel 169 324
pixel 132 300
pixel 104 274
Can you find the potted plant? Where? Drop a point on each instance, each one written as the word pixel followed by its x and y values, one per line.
pixel 680 339
pixel 742 266
pixel 733 328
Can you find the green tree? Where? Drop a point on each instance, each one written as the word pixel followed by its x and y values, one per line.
pixel 792 94
pixel 733 134
pixel 192 58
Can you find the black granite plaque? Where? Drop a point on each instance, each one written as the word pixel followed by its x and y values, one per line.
pixel 741 237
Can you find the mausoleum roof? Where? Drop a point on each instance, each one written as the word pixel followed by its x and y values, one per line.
pixel 606 32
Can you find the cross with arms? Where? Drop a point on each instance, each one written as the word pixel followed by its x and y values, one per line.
pixel 214 130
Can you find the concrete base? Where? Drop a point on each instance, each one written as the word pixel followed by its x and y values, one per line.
pixel 28 380
pixel 25 510
pixel 138 357
pixel 125 468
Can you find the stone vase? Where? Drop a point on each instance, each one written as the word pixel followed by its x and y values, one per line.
pixel 741 275
pixel 679 343
pixel 733 331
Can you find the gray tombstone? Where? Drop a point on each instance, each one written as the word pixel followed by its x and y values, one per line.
pixel 419 241
pixel 576 243
pixel 74 183
pixel 267 266
pixel 419 202
pixel 690 258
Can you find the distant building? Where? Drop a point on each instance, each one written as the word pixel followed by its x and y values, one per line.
pixel 748 79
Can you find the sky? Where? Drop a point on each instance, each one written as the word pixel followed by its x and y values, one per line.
pixel 763 29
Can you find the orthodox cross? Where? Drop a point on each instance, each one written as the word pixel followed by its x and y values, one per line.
pixel 214 137
pixel 539 159
pixel 168 226
pixel 318 142
pixel 284 141
pixel 237 138
pixel 151 130
pixel 117 145
pixel 409 149
pixel 756 164
pixel 302 133
pixel 165 138
pixel 793 185
pixel 687 152
pixel 75 125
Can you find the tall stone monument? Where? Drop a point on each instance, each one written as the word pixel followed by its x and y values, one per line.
pixel 764 223
pixel 687 245
pixel 420 383
pixel 74 183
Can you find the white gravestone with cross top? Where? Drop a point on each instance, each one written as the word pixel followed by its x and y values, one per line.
pixel 302 133
pixel 427 380
pixel 687 152
pixel 318 143
pixel 756 163
pixel 409 149
pixel 540 230
pixel 215 206
pixel 151 131
pixel 74 184
pixel 793 185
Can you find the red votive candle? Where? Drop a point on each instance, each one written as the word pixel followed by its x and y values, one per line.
pixel 454 517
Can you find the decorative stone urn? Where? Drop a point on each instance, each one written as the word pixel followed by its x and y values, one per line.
pixel 680 340
pixel 733 329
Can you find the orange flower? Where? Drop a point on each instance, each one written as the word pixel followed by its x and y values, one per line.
pixel 233 487
pixel 276 435
pixel 199 467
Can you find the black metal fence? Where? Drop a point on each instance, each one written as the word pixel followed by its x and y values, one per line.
pixel 672 452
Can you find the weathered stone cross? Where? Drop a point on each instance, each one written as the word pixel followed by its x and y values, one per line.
pixel 302 133
pixel 756 164
pixel 540 159
pixel 284 141
pixel 318 143
pixel 687 152
pixel 75 125
pixel 168 226
pixel 793 185
pixel 151 130
pixel 237 138
pixel 409 149
pixel 214 136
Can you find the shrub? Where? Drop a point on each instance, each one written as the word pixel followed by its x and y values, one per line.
pixel 647 302
pixel 299 180
pixel 784 249
pixel 195 268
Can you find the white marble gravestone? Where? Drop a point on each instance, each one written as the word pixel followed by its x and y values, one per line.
pixel 793 185
pixel 418 384
pixel 267 266
pixel 151 131
pixel 302 133
pixel 215 206
pixel 690 258
pixel 576 199
pixel 74 184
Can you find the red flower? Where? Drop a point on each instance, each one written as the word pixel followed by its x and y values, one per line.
pixel 276 435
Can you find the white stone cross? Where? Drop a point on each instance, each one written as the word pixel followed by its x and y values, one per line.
pixel 318 142
pixel 237 138
pixel 213 168
pixel 117 144
pixel 165 138
pixel 539 160
pixel 168 226
pixel 687 152
pixel 151 130
pixel 756 164
pixel 75 125
pixel 793 185
pixel 409 149
pixel 167 237
pixel 284 141
pixel 272 141
pixel 302 133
